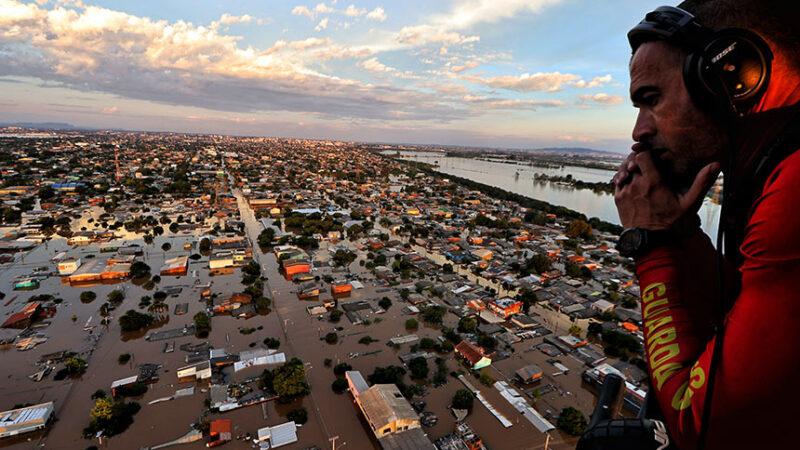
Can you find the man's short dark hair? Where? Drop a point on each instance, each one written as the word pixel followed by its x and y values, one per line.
pixel 775 20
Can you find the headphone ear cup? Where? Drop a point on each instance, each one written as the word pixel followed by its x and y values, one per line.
pixel 732 71
pixel 693 79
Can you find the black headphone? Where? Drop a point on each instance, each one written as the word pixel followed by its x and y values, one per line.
pixel 727 69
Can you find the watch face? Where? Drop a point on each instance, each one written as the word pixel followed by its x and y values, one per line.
pixel 629 241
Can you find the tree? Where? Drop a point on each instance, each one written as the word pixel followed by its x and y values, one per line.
pixel 467 325
pixel 132 320
pixel 463 399
pixel 487 342
pixel 387 375
pixel 595 328
pixel 433 314
pixel 427 343
pixel 298 416
pixel 331 338
pixel 202 321
pixel 575 330
pixel 418 367
pixel 289 380
pixel 140 269
pixel 385 303
pixel 75 365
pixel 343 258
pixel 116 297
pixel 573 270
pixel 538 263
pixel 205 245
pixel 341 368
pixel 412 324
pixel 103 408
pixel 336 315
pixel 579 228
pixel 572 421
pixel 527 297
pixel 166 246
pixel 88 296
pixel 123 358
pixel 46 193
pixel 339 385
pixel 265 237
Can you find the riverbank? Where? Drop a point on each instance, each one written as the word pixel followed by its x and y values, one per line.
pixel 501 194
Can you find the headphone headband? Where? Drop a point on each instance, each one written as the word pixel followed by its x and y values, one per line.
pixel 668 23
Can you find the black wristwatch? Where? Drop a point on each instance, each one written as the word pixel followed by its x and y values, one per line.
pixel 635 242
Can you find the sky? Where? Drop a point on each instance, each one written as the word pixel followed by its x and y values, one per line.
pixel 483 73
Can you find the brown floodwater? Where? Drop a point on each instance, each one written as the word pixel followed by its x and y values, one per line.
pixel 301 336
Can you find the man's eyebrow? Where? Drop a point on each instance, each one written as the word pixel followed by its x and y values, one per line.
pixel 639 93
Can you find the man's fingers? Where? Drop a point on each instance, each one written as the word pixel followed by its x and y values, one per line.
pixel 702 183
pixel 625 171
pixel 645 162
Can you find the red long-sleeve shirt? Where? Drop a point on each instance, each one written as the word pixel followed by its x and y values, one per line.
pixel 756 393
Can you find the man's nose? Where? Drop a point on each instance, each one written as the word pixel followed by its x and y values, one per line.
pixel 645 126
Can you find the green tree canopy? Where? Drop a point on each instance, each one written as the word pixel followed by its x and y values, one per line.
pixel 572 421
pixel 289 380
pixel 463 399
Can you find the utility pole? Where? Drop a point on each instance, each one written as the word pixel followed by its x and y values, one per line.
pixel 333 441
pixel 547 441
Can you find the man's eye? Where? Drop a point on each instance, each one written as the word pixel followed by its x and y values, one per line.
pixel 650 100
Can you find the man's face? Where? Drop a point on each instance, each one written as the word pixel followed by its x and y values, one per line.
pixel 682 137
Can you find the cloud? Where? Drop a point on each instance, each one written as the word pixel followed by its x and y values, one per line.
pixel 377 14
pixel 537 82
pixel 511 104
pixel 309 43
pixel 467 13
pixel 446 89
pixel 418 35
pixel 373 65
pixel 98 50
pixel 312 13
pixel 322 24
pixel 352 11
pixel 322 8
pixel 594 82
pixel 109 110
pixel 228 19
pixel 604 99
pixel 341 52
pixel 465 66
pixel 303 11
pixel 569 138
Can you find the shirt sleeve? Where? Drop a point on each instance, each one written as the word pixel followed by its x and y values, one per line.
pixel 754 392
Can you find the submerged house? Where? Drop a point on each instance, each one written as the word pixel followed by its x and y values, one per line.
pixel 473 355
pixel 25 420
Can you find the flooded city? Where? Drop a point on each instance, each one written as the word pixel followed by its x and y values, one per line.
pixel 248 292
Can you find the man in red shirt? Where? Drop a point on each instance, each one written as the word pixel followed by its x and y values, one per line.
pixel 710 101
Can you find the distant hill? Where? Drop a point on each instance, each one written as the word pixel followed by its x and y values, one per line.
pixel 580 150
pixel 42 125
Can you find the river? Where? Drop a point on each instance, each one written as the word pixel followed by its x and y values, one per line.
pixel 519 178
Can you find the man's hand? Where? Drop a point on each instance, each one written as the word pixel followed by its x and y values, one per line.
pixel 625 171
pixel 644 200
